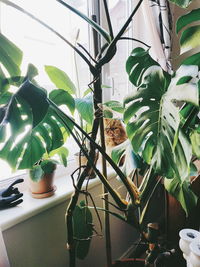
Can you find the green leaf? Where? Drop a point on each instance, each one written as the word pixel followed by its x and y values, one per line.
pixel 184 85
pixel 61 97
pixel 131 160
pixel 84 106
pixel 87 91
pixel 10 56
pixel 36 173
pixel 48 166
pixel 60 79
pixel 181 191
pixel 153 126
pixel 192 60
pixel 115 105
pixel 31 72
pixel 32 132
pixel 138 62
pixel 195 141
pixel 188 18
pixel 181 3
pixel 83 230
pixel 190 38
pixel 62 152
pixel 107 114
pixel 36 98
pixel 98 28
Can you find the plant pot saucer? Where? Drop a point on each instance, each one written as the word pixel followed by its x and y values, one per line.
pixel 45 194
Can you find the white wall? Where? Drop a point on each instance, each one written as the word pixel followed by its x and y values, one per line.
pixel 41 240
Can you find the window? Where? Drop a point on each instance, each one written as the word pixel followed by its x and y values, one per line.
pixel 41 47
pixel 115 75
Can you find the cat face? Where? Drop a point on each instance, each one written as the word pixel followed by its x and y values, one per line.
pixel 114 132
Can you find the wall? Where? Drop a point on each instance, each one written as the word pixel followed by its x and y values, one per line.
pixel 41 240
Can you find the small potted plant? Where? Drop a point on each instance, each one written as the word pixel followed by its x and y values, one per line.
pixel 41 178
pixel 41 182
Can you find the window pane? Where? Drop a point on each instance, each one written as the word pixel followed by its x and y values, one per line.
pixel 116 73
pixel 42 47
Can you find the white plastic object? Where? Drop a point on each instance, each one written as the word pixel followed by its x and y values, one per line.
pixel 187 236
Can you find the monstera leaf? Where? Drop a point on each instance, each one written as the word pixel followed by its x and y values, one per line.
pixel 62 97
pixel 138 62
pixel 124 153
pixel 180 189
pixel 29 127
pixel 181 3
pixel 83 229
pixel 190 36
pixel 153 126
pixel 195 141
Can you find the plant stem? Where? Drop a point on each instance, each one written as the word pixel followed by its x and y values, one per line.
pixel 108 19
pixel 99 95
pixel 104 154
pixel 112 46
pixel 134 39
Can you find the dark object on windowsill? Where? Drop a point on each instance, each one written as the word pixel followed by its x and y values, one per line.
pixel 129 263
pixel 10 196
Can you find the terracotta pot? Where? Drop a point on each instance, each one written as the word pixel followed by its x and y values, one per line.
pixel 80 159
pixel 43 188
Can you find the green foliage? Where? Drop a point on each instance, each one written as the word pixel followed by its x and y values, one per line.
pixel 195 141
pixel 62 153
pixel 11 56
pixel 40 169
pixel 60 79
pixel 131 161
pixel 83 229
pixel 34 126
pixel 180 189
pixel 188 18
pixel 48 166
pixel 153 120
pixel 36 173
pixel 62 97
pixel 137 63
pixel 181 3
pixel 190 35
pixel 114 105
pixel 84 106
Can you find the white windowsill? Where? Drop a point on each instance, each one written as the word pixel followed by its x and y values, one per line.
pixel 31 207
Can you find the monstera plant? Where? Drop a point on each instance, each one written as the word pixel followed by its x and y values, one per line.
pixel 162 113
pixel 161 116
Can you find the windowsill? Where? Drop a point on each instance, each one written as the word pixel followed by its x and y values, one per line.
pixel 31 207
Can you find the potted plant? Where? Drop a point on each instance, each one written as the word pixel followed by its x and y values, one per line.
pixel 41 179
pixel 41 182
pixel 164 146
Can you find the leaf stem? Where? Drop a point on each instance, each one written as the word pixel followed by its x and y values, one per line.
pixel 108 19
pixel 133 39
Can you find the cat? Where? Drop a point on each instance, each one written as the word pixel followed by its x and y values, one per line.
pixel 115 133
